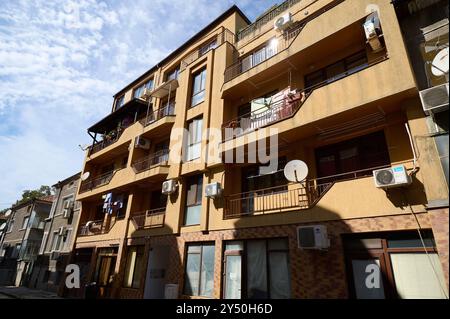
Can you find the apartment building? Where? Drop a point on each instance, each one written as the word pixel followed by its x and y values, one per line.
pixel 166 211
pixel 58 237
pixel 22 239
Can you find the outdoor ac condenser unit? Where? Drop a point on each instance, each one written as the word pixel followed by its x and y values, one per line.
pixel 395 176
pixel 142 143
pixel 283 22
pixel 435 99
pixel 312 237
pixel 169 187
pixel 213 190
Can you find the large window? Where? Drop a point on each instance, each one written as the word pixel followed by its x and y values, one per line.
pixel 253 180
pixel 194 188
pixel 173 74
pixel 257 269
pixel 394 265
pixel 140 89
pixel 134 267
pixel 364 152
pixel 337 70
pixel 120 101
pixel 199 275
pixel 260 55
pixel 25 222
pixel 198 87
pixel 194 139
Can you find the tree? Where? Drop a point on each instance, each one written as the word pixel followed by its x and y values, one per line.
pixel 44 190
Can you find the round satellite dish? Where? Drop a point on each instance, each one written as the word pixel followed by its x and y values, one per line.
pixel 85 176
pixel 8 212
pixel 2 226
pixel 296 171
pixel 439 66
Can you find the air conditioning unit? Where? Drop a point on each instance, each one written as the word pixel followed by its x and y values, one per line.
pixel 395 176
pixel 213 190
pixel 282 22
pixel 146 94
pixel 54 255
pixel 66 213
pixel 141 142
pixel 312 237
pixel 435 99
pixel 169 187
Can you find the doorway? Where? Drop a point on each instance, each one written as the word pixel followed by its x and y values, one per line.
pixel 158 260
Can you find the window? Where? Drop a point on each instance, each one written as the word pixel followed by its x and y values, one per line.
pixel 43 243
pixel 252 180
pixel 260 55
pixel 173 74
pixel 120 102
pixel 207 47
pixel 337 70
pixel 67 240
pixel 194 187
pixel 199 274
pixel 134 267
pixel 26 219
pixel 10 226
pixel 257 269
pixel 16 252
pixel 56 241
pixel 140 89
pixel 364 152
pixel 394 265
pixel 194 139
pixel 198 87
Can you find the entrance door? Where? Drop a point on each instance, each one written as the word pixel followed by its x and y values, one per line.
pixel 104 275
pixel 158 259
pixel 233 277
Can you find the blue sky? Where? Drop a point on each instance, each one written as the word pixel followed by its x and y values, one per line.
pixel 60 64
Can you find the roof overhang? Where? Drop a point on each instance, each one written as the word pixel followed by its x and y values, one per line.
pixel 164 89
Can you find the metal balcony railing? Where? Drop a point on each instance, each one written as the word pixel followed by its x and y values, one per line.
pixel 272 48
pixel 96 227
pixel 107 141
pixel 168 110
pixel 275 199
pixel 96 182
pixel 253 29
pixel 158 158
pixel 222 37
pixel 283 108
pixel 149 219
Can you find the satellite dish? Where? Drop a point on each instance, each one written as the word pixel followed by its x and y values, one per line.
pixel 296 171
pixel 439 66
pixel 2 226
pixel 85 176
pixel 8 212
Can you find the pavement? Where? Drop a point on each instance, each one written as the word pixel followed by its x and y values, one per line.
pixel 12 292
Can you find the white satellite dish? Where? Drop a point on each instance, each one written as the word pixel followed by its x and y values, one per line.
pixel 2 226
pixel 8 212
pixel 85 176
pixel 296 171
pixel 439 66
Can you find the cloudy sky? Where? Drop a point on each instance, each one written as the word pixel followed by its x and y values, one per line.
pixel 60 64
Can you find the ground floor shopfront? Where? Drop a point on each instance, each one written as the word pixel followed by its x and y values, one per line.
pixel 377 257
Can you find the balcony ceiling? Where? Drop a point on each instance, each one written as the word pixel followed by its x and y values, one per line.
pixel 110 122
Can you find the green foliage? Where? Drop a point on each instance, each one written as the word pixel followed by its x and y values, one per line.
pixel 44 190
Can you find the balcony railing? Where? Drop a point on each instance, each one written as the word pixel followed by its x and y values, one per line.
pixel 96 227
pixel 96 182
pixel 272 48
pixel 275 199
pixel 168 110
pixel 253 29
pixel 158 158
pixel 222 37
pixel 107 141
pixel 283 108
pixel 150 219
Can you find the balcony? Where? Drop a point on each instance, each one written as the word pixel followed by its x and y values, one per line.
pixel 158 158
pixel 274 47
pixel 154 116
pixel 217 40
pixel 97 227
pixel 29 249
pixel 278 199
pixel 150 219
pixel 96 182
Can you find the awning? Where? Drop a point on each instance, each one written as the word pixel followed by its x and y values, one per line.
pixel 135 107
pixel 164 89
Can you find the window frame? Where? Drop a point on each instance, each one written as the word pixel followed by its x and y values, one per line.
pixel 192 142
pixel 144 85
pixel 140 258
pixel 202 76
pixel 119 102
pixel 186 255
pixel 198 199
pixel 27 219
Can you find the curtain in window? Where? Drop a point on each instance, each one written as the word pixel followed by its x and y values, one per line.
pixel 192 273
pixel 129 270
pixel 279 275
pixel 415 277
pixel 207 273
pixel 257 270
pixel 233 277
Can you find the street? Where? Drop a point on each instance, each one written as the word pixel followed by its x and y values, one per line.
pixel 12 292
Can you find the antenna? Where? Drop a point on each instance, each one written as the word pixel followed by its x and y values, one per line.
pixel 439 66
pixel 8 212
pixel 296 171
pixel 85 176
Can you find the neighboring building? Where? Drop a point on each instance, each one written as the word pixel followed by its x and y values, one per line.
pixel 58 237
pixel 345 103
pixel 22 240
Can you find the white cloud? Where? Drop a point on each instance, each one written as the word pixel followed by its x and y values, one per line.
pixel 60 64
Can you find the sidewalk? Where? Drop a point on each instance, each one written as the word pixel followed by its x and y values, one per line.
pixel 7 292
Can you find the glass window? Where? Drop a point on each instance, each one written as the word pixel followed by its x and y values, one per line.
pixel 207 47
pixel 134 266
pixel 120 102
pixel 194 140
pixel 194 188
pixel 199 274
pixel 25 222
pixel 140 89
pixel 173 74
pixel 198 87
